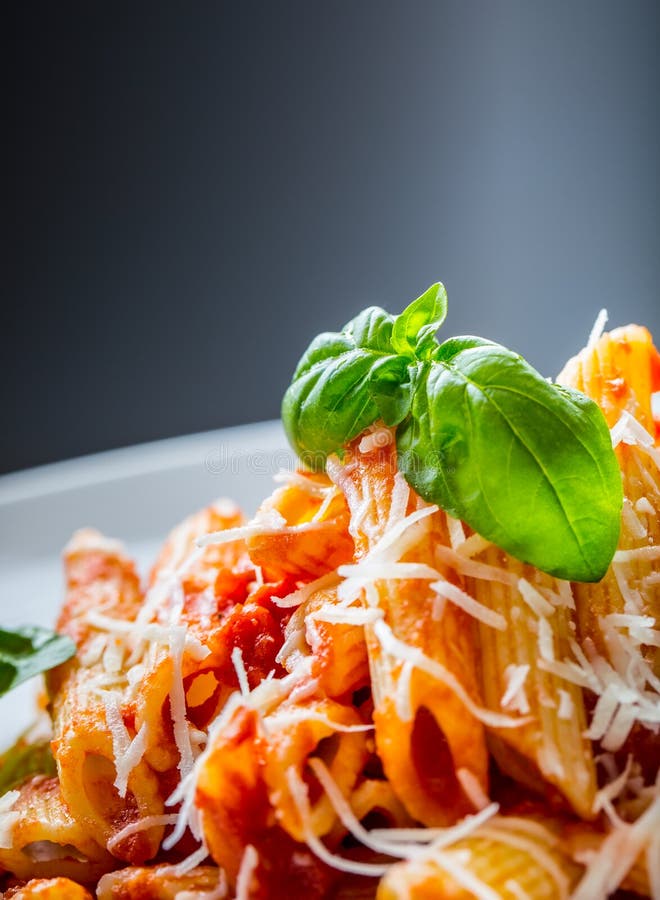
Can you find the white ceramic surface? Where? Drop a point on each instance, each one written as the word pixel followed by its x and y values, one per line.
pixel 136 494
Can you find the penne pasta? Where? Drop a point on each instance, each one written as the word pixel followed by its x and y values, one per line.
pixel 315 537
pixel 48 889
pixel 506 858
pixel 163 883
pixel 618 617
pixel 213 608
pixel 91 724
pixel 321 629
pixel 46 839
pixel 549 754
pixel 424 733
pixel 242 789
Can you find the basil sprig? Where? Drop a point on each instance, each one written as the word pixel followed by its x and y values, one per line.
pixel 29 651
pixel 24 760
pixel 525 463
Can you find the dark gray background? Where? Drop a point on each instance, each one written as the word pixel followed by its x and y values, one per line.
pixel 196 189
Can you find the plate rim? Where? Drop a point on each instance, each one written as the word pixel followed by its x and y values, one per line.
pixel 130 461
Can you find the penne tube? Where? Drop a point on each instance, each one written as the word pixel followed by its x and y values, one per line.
pixel 48 889
pixel 45 840
pixel 375 802
pixel 162 882
pixel 180 553
pixel 506 859
pixel 618 618
pixel 315 538
pixel 322 729
pixel 243 791
pixel 549 754
pixel 620 371
pixel 204 592
pixel 321 628
pixel 425 735
pixel 585 843
pixel 93 731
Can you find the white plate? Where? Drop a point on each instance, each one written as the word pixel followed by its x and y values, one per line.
pixel 136 494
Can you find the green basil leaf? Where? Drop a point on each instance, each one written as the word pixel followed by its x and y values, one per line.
pixel 414 330
pixel 327 345
pixel 29 651
pixel 24 760
pixel 330 401
pixel 526 464
pixel 449 348
pixel 391 388
pixel 371 330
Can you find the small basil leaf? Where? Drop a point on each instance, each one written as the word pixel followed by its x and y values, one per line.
pixel 24 760
pixel 391 389
pixel 29 651
pixel 329 405
pixel 414 330
pixel 371 330
pixel 448 349
pixel 329 401
pixel 525 464
pixel 327 345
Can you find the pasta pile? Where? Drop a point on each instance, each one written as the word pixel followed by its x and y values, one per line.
pixel 352 695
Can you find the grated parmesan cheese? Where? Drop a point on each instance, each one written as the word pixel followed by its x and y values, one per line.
pixel 597 329
pixel 369 570
pixel 420 660
pixel 535 600
pixel 283 718
pixel 143 824
pixel 456 532
pixel 632 522
pixel 472 789
pixel 178 702
pixel 239 668
pixel 398 500
pixel 301 481
pixel 468 604
pixel 267 522
pixel 300 796
pixel 296 598
pixel 473 545
pixel 644 506
pixel 402 701
pixel 125 764
pixel 514 696
pixel 246 873
pixel 8 819
pixel 629 431
pixel 402 843
pixel 617 854
pixel 195 859
pixel 615 787
pixel 546 640
pixel 566 706
pixel 121 740
pixel 375 440
pixel 514 888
